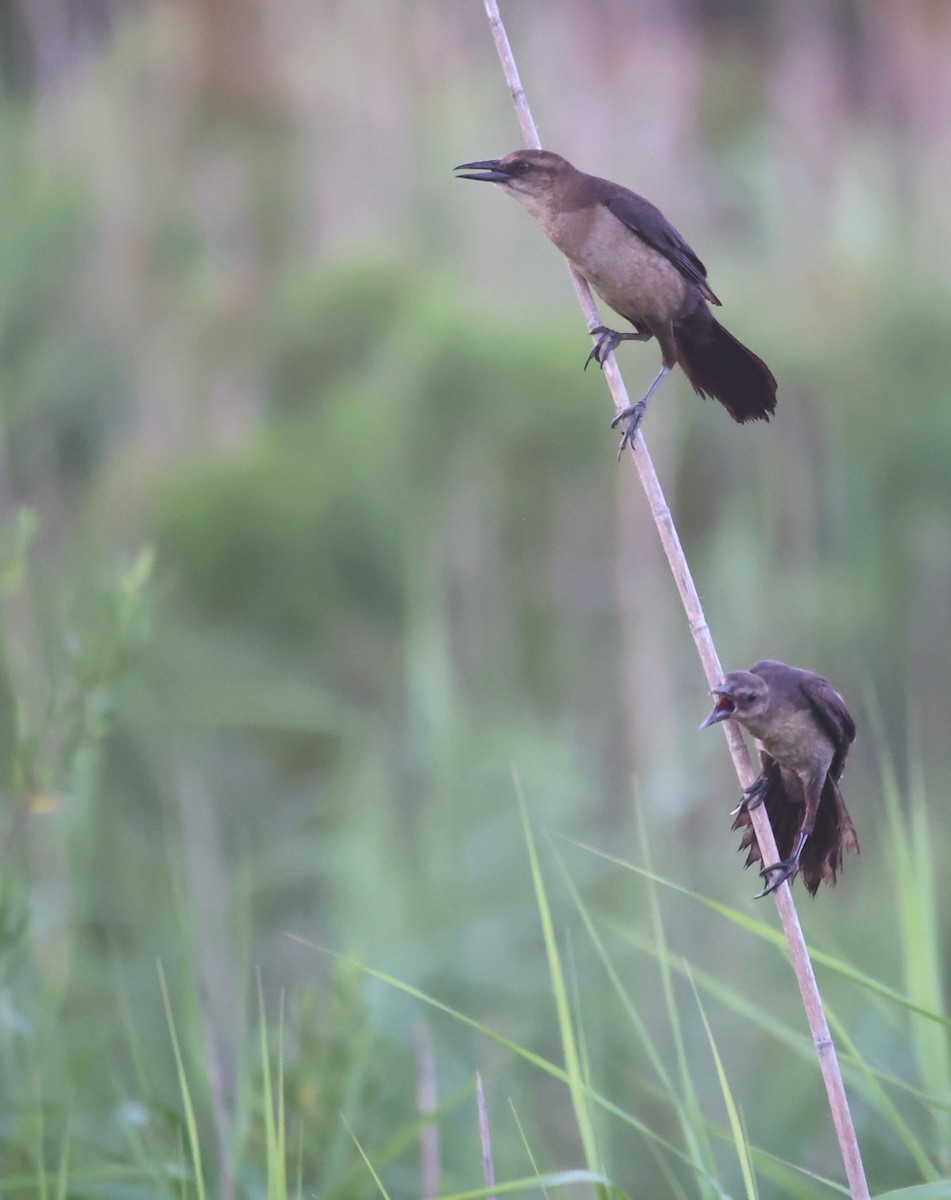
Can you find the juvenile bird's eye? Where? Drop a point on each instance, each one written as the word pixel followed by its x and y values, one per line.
pixel 522 166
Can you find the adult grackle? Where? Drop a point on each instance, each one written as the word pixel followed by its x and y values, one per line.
pixel 643 268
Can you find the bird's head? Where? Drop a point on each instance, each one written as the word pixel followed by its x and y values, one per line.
pixel 529 176
pixel 742 696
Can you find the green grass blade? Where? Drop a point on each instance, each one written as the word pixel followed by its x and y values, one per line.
pixel 536 1060
pixel 525 1142
pixel 768 934
pixel 876 1092
pixel 63 1173
pixel 191 1124
pixel 910 843
pixel 274 1123
pixel 754 1015
pixel 646 1041
pixel 363 1154
pixel 405 1138
pixel 536 1182
pixel 922 1191
pixel 736 1126
pixel 577 1085
pixel 688 1107
pixel 924 967
pixel 40 1139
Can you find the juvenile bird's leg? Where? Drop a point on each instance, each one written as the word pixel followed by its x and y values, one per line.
pixel 784 869
pixel 812 791
pixel 635 413
pixel 753 796
pixel 610 339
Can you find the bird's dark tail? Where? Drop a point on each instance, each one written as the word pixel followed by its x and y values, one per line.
pixel 719 366
pixel 822 854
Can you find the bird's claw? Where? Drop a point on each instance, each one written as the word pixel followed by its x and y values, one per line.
pixel 753 796
pixel 786 870
pixel 633 416
pixel 608 340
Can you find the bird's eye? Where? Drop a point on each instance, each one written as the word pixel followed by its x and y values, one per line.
pixel 522 166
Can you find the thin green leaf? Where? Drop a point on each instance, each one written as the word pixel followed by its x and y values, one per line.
pixel 577 1084
pixel 688 1108
pixel 736 1126
pixel 774 936
pixel 754 1014
pixel 191 1124
pixel 556 1180
pixel 941 1190
pixel 536 1060
pixel 376 1179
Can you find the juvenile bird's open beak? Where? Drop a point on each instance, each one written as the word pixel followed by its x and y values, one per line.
pixel 722 709
pixel 488 171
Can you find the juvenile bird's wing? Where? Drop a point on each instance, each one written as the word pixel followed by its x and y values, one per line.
pixel 834 831
pixel 650 224
pixel 833 716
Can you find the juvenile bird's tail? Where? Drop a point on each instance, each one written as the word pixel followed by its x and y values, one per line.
pixel 822 854
pixel 719 366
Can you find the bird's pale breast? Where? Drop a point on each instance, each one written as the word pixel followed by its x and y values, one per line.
pixel 634 278
pixel 794 741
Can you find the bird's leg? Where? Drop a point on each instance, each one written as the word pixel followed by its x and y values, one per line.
pixel 635 413
pixel 609 340
pixel 753 796
pixel 784 870
pixel 812 792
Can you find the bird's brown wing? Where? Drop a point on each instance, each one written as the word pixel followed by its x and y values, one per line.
pixel 650 224
pixel 831 713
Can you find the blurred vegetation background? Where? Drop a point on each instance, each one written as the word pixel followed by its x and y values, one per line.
pixel 312 532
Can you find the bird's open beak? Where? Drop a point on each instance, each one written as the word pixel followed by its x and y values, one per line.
pixel 724 707
pixel 488 171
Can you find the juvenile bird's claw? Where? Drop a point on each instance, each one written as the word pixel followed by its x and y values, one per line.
pixel 753 796
pixel 786 869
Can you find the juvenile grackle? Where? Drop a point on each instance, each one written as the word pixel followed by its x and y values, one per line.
pixel 803 731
